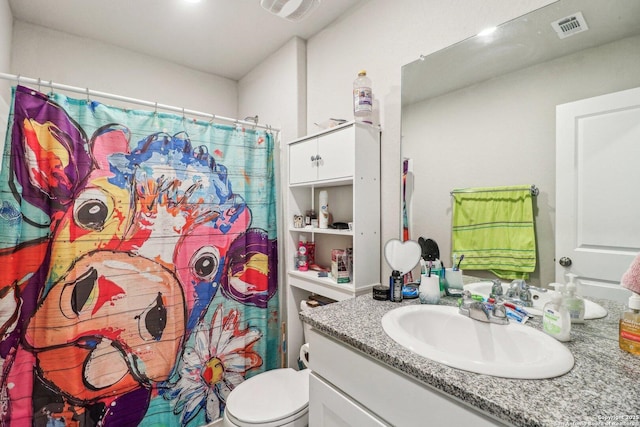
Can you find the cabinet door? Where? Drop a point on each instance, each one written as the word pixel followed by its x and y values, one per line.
pixel 330 408
pixel 301 166
pixel 337 154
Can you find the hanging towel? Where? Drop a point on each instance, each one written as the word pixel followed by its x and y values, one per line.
pixel 493 228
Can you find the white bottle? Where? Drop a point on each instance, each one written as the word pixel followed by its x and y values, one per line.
pixel 323 200
pixel 574 303
pixel 555 316
pixel 362 98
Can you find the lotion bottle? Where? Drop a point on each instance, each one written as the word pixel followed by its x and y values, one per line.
pixel 630 326
pixel 555 316
pixel 573 302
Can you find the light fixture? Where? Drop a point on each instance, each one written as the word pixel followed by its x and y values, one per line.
pixel 193 1
pixel 292 10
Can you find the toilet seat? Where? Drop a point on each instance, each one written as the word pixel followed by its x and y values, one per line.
pixel 273 398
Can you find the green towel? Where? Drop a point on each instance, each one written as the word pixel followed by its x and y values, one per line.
pixel 493 228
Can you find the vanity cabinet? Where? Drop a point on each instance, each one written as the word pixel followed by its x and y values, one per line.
pixel 349 386
pixel 345 162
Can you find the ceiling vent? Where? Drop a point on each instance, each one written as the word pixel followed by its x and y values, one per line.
pixel 292 10
pixel 570 25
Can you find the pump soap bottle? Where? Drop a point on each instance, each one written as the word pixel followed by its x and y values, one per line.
pixel 630 326
pixel 555 316
pixel 573 302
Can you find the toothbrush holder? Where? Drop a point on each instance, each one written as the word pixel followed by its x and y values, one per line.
pixel 454 278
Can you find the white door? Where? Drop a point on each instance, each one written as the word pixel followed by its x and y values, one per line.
pixel 598 191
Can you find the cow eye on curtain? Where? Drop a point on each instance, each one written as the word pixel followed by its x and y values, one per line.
pixel 138 251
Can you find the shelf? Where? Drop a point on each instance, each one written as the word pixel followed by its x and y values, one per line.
pixel 325 286
pixel 335 182
pixel 344 161
pixel 323 231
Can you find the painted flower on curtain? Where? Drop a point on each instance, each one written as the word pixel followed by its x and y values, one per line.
pixel 213 364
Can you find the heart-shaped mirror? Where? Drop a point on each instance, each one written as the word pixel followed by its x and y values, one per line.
pixel 402 256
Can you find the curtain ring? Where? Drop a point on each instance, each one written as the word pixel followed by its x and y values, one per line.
pixel 213 117
pixel 88 99
pixel 18 79
pixel 39 90
pixel 155 110
pixel 183 116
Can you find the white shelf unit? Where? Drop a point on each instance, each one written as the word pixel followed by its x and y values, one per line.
pixel 344 161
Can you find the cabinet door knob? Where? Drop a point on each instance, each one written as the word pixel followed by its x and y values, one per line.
pixel 314 158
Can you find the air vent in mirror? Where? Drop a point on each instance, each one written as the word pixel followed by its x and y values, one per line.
pixel 570 25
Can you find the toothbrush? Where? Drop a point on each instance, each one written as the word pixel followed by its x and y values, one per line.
pixel 459 261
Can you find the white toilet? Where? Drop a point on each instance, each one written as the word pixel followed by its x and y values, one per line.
pixel 276 398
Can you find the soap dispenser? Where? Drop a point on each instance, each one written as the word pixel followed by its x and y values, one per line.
pixel 555 316
pixel 630 326
pixel 574 303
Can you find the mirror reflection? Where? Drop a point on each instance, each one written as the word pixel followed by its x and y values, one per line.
pixel 482 113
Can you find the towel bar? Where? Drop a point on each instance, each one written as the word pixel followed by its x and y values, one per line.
pixel 534 190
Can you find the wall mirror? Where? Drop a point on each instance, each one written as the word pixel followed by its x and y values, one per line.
pixel 482 113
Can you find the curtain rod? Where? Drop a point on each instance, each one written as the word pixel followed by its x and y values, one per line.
pixel 90 92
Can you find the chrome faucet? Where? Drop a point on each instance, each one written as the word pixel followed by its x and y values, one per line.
pixel 481 311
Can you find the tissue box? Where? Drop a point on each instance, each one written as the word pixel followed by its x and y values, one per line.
pixel 339 270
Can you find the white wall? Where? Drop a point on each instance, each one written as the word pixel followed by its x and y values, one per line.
pixel 6 30
pixel 381 36
pixel 38 52
pixel 276 90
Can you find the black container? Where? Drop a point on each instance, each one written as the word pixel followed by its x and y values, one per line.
pixel 395 286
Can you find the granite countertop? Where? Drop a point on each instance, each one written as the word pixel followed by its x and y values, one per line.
pixel 602 389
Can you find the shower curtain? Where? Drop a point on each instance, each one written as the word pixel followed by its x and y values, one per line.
pixel 138 264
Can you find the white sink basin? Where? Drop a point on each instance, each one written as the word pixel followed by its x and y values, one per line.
pixel 591 309
pixel 443 335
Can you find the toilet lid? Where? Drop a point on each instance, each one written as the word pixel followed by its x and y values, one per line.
pixel 270 396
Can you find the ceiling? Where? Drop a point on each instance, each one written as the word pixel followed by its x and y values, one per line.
pixel 224 37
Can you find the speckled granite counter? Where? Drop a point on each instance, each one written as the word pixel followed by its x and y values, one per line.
pixel 602 389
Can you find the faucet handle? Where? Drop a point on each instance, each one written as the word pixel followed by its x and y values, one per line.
pixel 521 284
pixel 496 289
pixel 525 298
